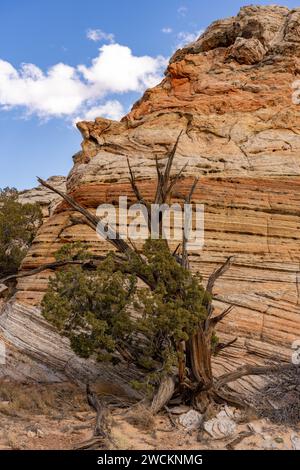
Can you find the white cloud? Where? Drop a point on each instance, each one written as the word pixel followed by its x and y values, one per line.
pixel 99 35
pixel 112 109
pixel 117 70
pixel 167 30
pixel 182 11
pixel 59 92
pixel 185 37
pixel 65 91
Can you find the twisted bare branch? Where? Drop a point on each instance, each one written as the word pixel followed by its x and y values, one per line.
pixel 92 220
pixel 253 370
pixel 218 273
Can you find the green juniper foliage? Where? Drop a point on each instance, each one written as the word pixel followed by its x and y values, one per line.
pixel 90 308
pixel 18 226
pixel 105 312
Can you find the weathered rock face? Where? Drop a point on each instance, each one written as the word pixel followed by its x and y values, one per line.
pixel 46 199
pixel 230 92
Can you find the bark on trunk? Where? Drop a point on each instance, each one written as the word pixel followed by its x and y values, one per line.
pixel 200 362
pixel 200 358
pixel 164 394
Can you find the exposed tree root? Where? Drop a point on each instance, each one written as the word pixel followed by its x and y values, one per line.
pixel 101 436
pixel 229 398
pixel 231 445
pixel 172 421
pixel 91 444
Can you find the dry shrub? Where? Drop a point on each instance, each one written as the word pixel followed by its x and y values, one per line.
pixel 141 417
pixel 279 399
pixel 18 398
pixel 12 441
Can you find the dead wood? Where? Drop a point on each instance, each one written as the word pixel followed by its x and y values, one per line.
pixel 93 220
pixel 89 264
pixel 230 398
pixel 185 258
pixel 222 346
pixel 164 188
pixel 138 195
pixel 90 444
pixel 171 419
pixel 212 322
pixel 218 273
pixel 209 288
pixel 164 394
pixel 101 413
pixel 231 445
pixel 253 370
pixel 101 438
pixel 44 267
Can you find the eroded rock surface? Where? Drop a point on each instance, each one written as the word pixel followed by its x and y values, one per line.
pixel 46 199
pixel 231 94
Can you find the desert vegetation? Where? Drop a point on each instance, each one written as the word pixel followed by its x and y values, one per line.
pixel 145 309
pixel 170 341
pixel 18 226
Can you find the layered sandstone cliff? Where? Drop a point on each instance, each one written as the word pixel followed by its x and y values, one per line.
pixel 231 94
pixel 46 199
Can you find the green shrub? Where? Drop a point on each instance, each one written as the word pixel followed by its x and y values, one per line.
pixel 94 309
pixel 18 226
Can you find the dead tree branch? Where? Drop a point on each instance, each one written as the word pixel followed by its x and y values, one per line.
pixel 210 285
pixel 163 188
pixel 212 322
pixel 175 179
pixel 45 267
pixel 138 195
pixel 185 257
pixel 221 346
pixel 253 370
pixel 218 273
pixel 93 220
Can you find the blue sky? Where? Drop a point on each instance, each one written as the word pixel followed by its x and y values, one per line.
pixel 86 58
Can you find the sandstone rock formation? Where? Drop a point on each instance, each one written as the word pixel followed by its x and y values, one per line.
pixel 231 94
pixel 46 199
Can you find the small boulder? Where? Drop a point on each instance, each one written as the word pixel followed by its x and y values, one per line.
pixel 221 426
pixel 191 420
pixel 40 433
pixel 295 440
pixel 246 51
pixel 292 29
pixel 179 410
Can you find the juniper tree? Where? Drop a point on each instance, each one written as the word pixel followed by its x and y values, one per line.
pixel 143 306
pixel 172 334
pixel 18 226
pixel 94 309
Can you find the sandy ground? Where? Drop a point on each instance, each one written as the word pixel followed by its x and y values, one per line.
pixel 58 417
